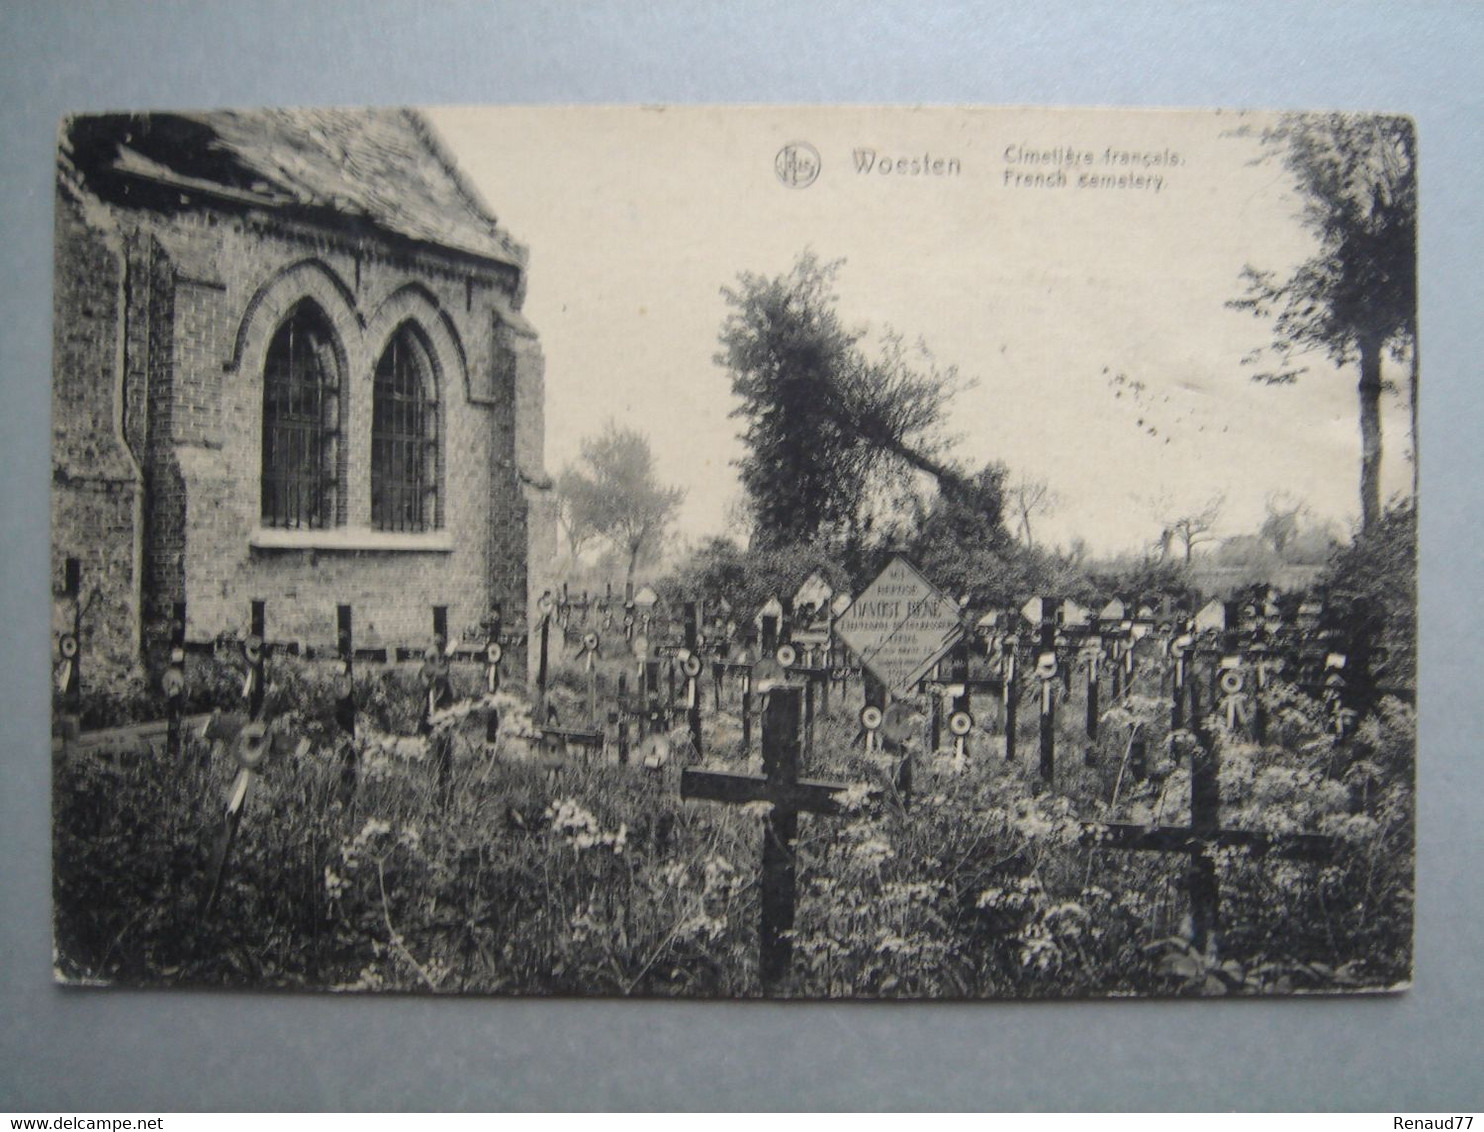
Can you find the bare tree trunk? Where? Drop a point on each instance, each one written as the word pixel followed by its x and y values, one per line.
pixel 1370 432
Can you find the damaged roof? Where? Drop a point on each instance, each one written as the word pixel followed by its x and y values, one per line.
pixel 384 167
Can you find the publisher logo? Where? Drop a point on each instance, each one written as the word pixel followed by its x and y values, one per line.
pixel 797 165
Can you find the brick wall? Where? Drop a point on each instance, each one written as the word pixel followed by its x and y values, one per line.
pixel 150 354
pixel 520 564
pixel 96 484
pixel 203 292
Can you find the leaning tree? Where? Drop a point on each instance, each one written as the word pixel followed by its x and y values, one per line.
pixel 825 424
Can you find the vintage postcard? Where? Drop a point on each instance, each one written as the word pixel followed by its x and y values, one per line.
pixel 735 552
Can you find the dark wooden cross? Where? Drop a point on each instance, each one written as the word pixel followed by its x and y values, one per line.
pixel 437 688
pixel 1047 727
pixel 790 795
pixel 174 681
pixel 256 652
pixel 345 703
pixel 493 654
pixel 251 738
pixel 693 681
pixel 69 648
pixel 1094 658
pixel 1204 835
pixel 956 676
pixel 1010 668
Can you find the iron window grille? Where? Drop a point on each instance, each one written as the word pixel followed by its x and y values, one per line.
pixel 301 397
pixel 404 437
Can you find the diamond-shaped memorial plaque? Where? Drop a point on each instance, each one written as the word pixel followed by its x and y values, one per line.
pixel 900 626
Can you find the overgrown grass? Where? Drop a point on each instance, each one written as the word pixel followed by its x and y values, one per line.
pixel 543 873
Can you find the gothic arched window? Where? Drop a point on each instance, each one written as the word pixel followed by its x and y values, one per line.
pixel 404 436
pixel 301 419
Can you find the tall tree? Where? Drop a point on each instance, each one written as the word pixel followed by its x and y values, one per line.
pixel 824 423
pixel 613 492
pixel 1355 298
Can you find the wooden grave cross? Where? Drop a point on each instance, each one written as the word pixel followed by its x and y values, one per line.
pixel 591 650
pixel 69 651
pixel 1039 613
pixel 252 738
pixel 544 605
pixel 618 719
pixel 1009 670
pixel 591 738
pixel 789 796
pixel 692 667
pixel 345 702
pixel 1204 835
pixel 493 653
pixel 174 684
pixel 437 688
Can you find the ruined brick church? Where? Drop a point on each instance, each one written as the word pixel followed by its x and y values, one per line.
pixel 290 368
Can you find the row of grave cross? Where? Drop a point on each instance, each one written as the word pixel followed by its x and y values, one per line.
pixel 1039 648
pixel 1050 640
pixel 1211 659
pixel 788 795
pixel 246 731
pixel 669 674
pixel 1259 637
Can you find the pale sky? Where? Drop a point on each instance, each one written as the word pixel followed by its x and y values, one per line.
pixel 636 218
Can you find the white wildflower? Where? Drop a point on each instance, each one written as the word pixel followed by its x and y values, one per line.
pixel 854 796
pixel 874 851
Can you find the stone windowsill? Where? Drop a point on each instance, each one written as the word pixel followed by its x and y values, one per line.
pixel 350 539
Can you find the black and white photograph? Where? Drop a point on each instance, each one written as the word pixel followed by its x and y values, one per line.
pixel 731 552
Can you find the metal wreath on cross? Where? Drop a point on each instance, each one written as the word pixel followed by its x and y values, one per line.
pixel 67 666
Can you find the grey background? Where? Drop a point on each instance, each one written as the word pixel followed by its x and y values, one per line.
pixel 63 1051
